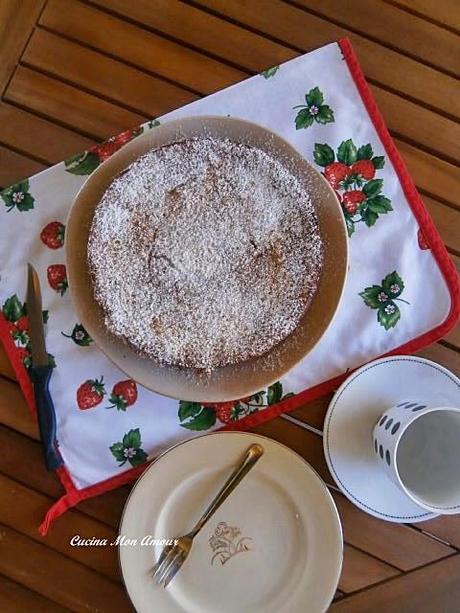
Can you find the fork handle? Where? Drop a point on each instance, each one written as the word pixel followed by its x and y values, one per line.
pixel 252 455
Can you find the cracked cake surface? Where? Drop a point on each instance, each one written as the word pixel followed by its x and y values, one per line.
pixel 204 253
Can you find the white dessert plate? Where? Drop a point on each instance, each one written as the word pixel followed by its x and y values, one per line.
pixel 274 545
pixel 351 417
pixel 233 381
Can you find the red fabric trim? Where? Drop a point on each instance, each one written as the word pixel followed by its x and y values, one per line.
pixel 447 268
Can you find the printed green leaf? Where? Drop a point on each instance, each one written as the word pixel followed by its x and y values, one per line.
pixel 389 315
pixel 372 188
pixel 82 163
pixel 350 225
pixel 12 308
pixel 325 114
pixel 132 439
pixel 274 393
pixel 379 204
pixel 153 123
pixel 51 360
pixel 203 421
pixel 188 409
pixel 371 294
pixel 393 284
pixel 269 72
pixel 46 316
pixel 288 395
pixel 369 217
pixel 314 97
pixel 323 154
pixel 117 452
pixel 346 153
pixel 378 161
pixel 303 119
pixel 138 458
pixel 17 196
pixel 365 152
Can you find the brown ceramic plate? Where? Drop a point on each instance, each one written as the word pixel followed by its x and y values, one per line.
pixel 233 381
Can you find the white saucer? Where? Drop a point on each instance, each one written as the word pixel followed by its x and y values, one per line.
pixel 352 414
pixel 290 552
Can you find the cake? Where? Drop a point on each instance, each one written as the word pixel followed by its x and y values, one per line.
pixel 204 253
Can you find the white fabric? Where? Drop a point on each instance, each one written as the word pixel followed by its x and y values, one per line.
pixel 355 335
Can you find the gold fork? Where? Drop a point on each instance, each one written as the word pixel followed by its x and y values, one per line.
pixel 173 556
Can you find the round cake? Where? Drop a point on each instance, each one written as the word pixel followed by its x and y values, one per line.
pixel 204 253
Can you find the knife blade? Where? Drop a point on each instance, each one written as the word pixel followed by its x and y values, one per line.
pixel 40 372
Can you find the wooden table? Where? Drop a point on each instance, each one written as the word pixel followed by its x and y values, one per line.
pixel 73 73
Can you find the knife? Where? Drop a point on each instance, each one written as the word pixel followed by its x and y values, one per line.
pixel 40 372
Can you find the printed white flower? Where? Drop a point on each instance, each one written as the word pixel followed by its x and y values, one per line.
pixel 394 289
pixel 313 110
pixel 129 452
pixel 390 309
pixel 382 297
pixel 18 197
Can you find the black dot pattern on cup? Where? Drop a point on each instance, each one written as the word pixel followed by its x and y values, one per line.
pixel 419 407
pixel 402 404
pixel 387 457
pixel 388 424
pixel 383 420
pixel 381 451
pixel 412 404
pixel 375 445
pixel 395 428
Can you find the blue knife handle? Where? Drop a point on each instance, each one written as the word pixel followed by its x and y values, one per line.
pixel 40 376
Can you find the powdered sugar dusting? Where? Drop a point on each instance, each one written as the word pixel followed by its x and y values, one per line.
pixel 205 252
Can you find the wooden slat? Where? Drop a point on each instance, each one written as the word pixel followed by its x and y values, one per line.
pixel 38 137
pixel 69 105
pixel 382 22
pixel 57 577
pixel 17 20
pixel 419 125
pixel 433 589
pixel 446 12
pixel 361 570
pixel 443 355
pixel 397 544
pixel 431 174
pixel 23 509
pixel 14 411
pixel 14 598
pixel 141 48
pixel 235 44
pixel 23 462
pixel 294 26
pixel 446 528
pixel 123 84
pixel 447 222
pixel 15 166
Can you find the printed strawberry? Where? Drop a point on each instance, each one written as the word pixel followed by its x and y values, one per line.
pixel 335 173
pixel 57 278
pixel 364 168
pixel 224 412
pixel 52 235
pixel 124 394
pixel 23 323
pixel 351 200
pixel 90 393
pixel 105 150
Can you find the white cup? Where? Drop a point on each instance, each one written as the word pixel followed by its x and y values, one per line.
pixel 419 447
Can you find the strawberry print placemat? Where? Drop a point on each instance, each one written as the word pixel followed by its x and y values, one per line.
pixel 401 293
